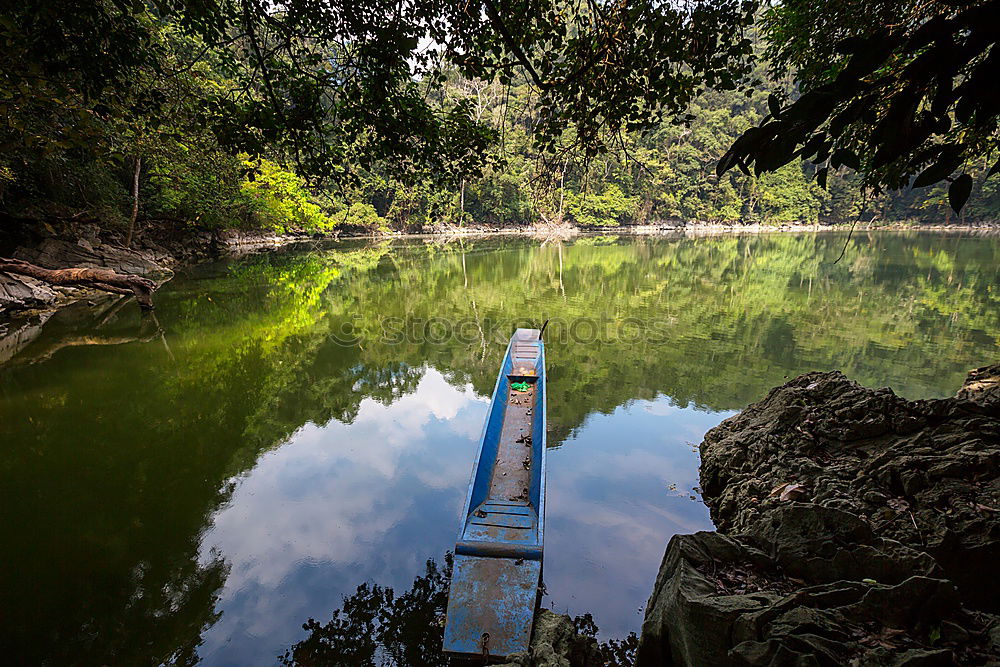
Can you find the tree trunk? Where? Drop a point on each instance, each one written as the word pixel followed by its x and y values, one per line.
pixel 562 189
pixel 102 279
pixel 135 202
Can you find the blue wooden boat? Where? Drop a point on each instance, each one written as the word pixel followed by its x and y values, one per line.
pixel 498 555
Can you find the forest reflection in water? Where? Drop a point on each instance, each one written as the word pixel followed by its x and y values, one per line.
pixel 376 626
pixel 295 424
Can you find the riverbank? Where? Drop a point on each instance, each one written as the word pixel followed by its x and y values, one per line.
pixel 155 253
pixel 854 527
pixel 27 303
pixel 679 228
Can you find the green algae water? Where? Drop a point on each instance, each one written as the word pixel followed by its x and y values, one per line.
pixel 194 486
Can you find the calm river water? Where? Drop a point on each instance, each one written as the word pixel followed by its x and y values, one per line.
pixel 195 487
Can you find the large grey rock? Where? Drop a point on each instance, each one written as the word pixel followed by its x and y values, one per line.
pixel 688 620
pixel 921 473
pixel 694 617
pixel 855 528
pixel 824 544
pixel 57 253
pixel 21 292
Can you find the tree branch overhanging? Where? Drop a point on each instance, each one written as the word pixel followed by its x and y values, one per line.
pixel 493 14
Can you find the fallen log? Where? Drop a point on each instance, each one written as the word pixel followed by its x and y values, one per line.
pixel 102 279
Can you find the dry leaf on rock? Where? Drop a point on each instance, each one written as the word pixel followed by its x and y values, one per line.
pixel 788 491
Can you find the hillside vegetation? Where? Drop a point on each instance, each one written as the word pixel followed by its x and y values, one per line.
pixel 128 114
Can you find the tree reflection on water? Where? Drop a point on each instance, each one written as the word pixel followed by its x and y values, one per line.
pixel 375 627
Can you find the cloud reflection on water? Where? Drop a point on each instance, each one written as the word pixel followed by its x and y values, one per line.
pixel 611 508
pixel 337 505
pixel 340 504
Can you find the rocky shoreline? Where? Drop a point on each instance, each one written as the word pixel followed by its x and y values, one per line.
pixel 854 528
pixel 155 253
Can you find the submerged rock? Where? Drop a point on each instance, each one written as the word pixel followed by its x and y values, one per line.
pixel 555 642
pixel 855 527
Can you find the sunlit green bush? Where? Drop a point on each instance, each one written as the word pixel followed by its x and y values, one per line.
pixel 361 214
pixel 278 199
pixel 610 208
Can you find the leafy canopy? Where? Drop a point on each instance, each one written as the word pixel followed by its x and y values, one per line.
pixel 342 85
pixel 894 90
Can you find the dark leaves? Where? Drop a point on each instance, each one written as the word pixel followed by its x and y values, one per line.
pixel 959 192
pixel 821 177
pixel 726 163
pixel 773 105
pixel 949 161
pixel 813 146
pixel 868 55
pixel 919 98
pixel 779 152
pixel 849 45
pixel 748 143
pixel 846 157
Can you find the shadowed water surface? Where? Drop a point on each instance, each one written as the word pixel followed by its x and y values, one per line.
pixel 194 487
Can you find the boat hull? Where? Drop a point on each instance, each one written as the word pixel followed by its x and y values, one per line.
pixel 495 593
pixel 498 554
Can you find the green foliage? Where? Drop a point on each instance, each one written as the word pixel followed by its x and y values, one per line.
pixel 504 122
pixel 501 197
pixel 592 78
pixel 612 207
pixel 277 199
pixel 92 88
pixel 901 92
pixel 786 196
pixel 197 185
pixel 361 214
